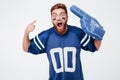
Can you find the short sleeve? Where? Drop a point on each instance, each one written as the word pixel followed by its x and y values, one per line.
pixel 37 45
pixel 39 42
pixel 87 43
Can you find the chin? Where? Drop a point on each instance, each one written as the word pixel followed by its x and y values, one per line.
pixel 60 31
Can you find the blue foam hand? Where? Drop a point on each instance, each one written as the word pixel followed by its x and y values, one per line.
pixel 78 12
pixel 92 27
pixel 89 24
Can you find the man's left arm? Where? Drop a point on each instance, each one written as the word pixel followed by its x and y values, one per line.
pixel 97 43
pixel 89 25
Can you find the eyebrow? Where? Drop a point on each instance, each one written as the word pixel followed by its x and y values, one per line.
pixel 53 13
pixel 60 13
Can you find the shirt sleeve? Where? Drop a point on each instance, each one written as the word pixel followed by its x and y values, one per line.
pixel 37 45
pixel 87 43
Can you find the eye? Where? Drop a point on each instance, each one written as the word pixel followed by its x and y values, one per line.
pixel 63 14
pixel 54 19
pixel 54 16
pixel 63 18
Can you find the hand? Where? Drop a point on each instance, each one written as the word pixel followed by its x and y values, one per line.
pixel 92 27
pixel 89 24
pixel 30 27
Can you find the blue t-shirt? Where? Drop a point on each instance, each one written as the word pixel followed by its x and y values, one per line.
pixel 63 52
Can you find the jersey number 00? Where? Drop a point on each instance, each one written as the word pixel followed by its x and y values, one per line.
pixel 64 59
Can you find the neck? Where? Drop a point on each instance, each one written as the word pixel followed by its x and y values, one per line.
pixel 62 33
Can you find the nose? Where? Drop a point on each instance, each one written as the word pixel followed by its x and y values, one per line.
pixel 58 17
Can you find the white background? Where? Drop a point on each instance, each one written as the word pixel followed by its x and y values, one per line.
pixel 18 65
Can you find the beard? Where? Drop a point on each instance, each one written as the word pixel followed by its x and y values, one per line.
pixel 60 28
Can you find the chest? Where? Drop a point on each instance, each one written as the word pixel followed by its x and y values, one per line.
pixel 63 52
pixel 68 40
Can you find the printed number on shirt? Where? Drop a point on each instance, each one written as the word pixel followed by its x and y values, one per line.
pixel 63 59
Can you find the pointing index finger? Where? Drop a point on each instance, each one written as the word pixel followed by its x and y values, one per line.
pixel 33 22
pixel 78 12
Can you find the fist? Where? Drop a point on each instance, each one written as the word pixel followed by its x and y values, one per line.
pixel 30 27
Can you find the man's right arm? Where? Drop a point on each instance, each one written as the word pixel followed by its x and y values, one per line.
pixel 26 40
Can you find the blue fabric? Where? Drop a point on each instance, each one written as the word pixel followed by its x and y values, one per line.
pixel 63 52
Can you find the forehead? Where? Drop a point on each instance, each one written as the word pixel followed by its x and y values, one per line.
pixel 58 11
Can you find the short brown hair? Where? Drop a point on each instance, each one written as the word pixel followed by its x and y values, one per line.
pixel 59 5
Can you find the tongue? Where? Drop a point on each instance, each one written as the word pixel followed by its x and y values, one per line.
pixel 59 24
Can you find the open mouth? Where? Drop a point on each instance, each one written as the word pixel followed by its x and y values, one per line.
pixel 59 24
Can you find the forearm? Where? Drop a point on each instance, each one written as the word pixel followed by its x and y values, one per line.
pixel 26 41
pixel 97 43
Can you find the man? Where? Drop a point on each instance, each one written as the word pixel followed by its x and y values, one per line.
pixel 62 43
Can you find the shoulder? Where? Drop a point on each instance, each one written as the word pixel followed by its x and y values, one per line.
pixel 46 32
pixel 76 29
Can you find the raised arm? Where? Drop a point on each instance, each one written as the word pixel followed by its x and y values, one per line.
pixel 26 40
pixel 97 43
pixel 89 25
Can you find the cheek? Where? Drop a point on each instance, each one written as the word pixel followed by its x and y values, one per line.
pixel 64 21
pixel 54 23
pixel 63 18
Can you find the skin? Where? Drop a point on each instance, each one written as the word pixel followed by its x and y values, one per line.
pixel 26 40
pixel 59 19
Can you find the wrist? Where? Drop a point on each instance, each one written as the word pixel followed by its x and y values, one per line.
pixel 26 33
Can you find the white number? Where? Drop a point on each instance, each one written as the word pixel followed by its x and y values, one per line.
pixel 63 56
